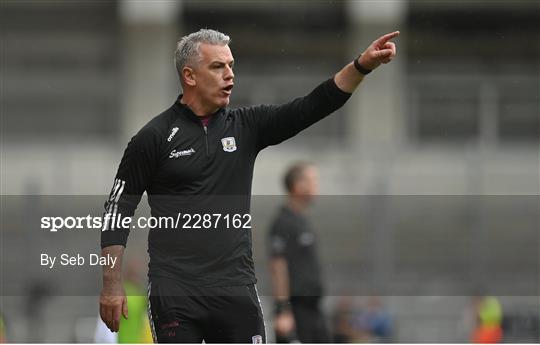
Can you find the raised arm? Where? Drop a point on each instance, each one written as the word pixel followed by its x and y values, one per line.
pixel 276 123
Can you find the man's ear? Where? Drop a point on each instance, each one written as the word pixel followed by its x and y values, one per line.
pixel 188 75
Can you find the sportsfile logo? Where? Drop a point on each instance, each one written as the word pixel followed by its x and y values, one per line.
pixel 173 133
pixel 176 154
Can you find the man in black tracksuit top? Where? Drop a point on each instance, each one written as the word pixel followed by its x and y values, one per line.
pixel 197 159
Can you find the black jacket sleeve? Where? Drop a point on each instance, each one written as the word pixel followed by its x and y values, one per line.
pixel 132 179
pixel 276 123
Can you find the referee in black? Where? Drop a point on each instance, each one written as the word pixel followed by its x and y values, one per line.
pixel 196 160
pixel 294 267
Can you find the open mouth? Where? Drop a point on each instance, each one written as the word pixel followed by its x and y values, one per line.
pixel 227 89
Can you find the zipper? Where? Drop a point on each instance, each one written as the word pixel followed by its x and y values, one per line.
pixel 206 139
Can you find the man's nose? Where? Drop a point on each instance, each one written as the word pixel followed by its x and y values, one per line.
pixel 229 74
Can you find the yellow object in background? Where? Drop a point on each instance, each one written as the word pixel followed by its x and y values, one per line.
pixel 2 331
pixel 490 312
pixel 135 329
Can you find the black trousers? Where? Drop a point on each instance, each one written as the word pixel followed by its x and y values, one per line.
pixel 180 314
pixel 310 321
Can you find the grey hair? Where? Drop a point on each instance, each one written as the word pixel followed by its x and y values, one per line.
pixel 187 49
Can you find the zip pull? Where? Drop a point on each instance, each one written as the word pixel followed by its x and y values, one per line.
pixel 206 139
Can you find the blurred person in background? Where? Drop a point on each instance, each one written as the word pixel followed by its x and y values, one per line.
pixel 489 317
pixel 372 324
pixel 202 283
pixel 294 267
pixel 342 331
pixel 3 337
pixel 39 295
pixel 103 335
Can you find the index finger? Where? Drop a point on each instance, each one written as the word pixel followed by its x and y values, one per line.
pixel 385 38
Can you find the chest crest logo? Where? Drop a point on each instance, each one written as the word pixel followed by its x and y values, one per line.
pixel 229 144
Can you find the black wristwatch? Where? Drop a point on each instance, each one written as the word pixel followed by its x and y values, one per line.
pixel 281 306
pixel 359 67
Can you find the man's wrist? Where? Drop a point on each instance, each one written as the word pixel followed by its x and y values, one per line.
pixel 360 68
pixel 112 277
pixel 281 306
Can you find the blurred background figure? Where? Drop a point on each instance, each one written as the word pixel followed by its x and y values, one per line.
pixel 38 296
pixel 371 324
pixel 103 335
pixel 295 272
pixel 2 329
pixel 342 331
pixel 489 317
pixel 366 323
